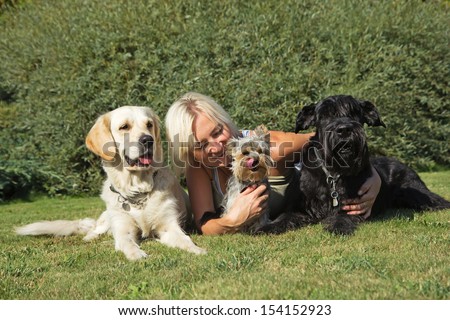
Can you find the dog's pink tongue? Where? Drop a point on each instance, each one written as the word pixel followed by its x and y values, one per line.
pixel 249 163
pixel 145 161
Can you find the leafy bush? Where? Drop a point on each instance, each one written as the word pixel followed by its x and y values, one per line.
pixel 4 4
pixel 65 62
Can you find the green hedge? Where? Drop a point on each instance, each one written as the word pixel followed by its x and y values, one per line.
pixel 64 62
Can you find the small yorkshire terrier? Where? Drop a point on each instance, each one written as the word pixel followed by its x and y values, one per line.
pixel 250 166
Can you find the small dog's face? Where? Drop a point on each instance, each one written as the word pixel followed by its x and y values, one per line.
pixel 251 156
pixel 339 124
pixel 130 135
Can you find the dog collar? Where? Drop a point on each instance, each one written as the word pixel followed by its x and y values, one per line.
pixel 330 179
pixel 137 201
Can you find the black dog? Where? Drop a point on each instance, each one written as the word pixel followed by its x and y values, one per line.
pixel 335 165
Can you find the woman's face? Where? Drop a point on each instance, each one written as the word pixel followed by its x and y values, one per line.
pixel 211 142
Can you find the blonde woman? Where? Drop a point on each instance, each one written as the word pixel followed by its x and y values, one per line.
pixel 198 129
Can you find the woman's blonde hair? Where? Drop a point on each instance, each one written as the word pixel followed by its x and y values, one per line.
pixel 179 120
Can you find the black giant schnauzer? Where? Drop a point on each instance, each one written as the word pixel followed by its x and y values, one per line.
pixel 335 165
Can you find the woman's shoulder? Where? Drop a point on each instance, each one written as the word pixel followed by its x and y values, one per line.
pixel 199 171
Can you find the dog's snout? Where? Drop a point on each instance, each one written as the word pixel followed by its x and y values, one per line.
pixel 146 140
pixel 344 130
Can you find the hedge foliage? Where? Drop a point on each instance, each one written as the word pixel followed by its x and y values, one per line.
pixel 64 62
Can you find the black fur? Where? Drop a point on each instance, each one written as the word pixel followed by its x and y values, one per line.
pixel 341 147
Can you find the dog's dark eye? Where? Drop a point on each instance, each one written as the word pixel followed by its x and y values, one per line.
pixel 149 125
pixel 124 127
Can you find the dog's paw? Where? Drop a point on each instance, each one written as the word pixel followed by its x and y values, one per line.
pixel 269 228
pixel 91 236
pixel 135 254
pixel 178 239
pixel 86 225
pixel 189 246
pixel 197 250
pixel 341 225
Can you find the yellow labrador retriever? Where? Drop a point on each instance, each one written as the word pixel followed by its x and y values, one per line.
pixel 143 198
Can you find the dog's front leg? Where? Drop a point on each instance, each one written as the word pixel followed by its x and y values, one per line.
pixel 342 223
pixel 173 236
pixel 102 226
pixel 125 233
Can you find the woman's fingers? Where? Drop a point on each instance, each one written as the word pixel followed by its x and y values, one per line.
pixel 255 188
pixel 358 208
pixel 368 194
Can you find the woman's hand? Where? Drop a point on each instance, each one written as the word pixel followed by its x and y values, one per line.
pixel 367 196
pixel 248 206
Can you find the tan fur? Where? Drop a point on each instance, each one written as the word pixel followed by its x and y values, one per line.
pixel 254 148
pixel 98 135
pixel 161 210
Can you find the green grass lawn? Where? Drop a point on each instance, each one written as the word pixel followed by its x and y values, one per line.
pixel 404 256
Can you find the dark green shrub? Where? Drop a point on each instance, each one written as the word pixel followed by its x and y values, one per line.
pixel 5 4
pixel 65 62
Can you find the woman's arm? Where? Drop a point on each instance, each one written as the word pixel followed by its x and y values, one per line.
pixel 285 149
pixel 247 207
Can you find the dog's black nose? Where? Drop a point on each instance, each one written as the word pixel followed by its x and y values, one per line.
pixel 146 140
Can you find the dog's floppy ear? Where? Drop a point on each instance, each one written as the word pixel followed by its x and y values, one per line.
pixel 371 115
pixel 231 146
pixel 157 136
pixel 305 118
pixel 99 139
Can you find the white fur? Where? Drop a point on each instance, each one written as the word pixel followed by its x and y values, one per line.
pixel 163 210
pixel 59 228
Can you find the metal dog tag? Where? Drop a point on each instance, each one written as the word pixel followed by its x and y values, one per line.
pixel 335 202
pixel 334 195
pixel 126 206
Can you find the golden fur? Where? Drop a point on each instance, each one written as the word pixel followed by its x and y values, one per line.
pixel 143 198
